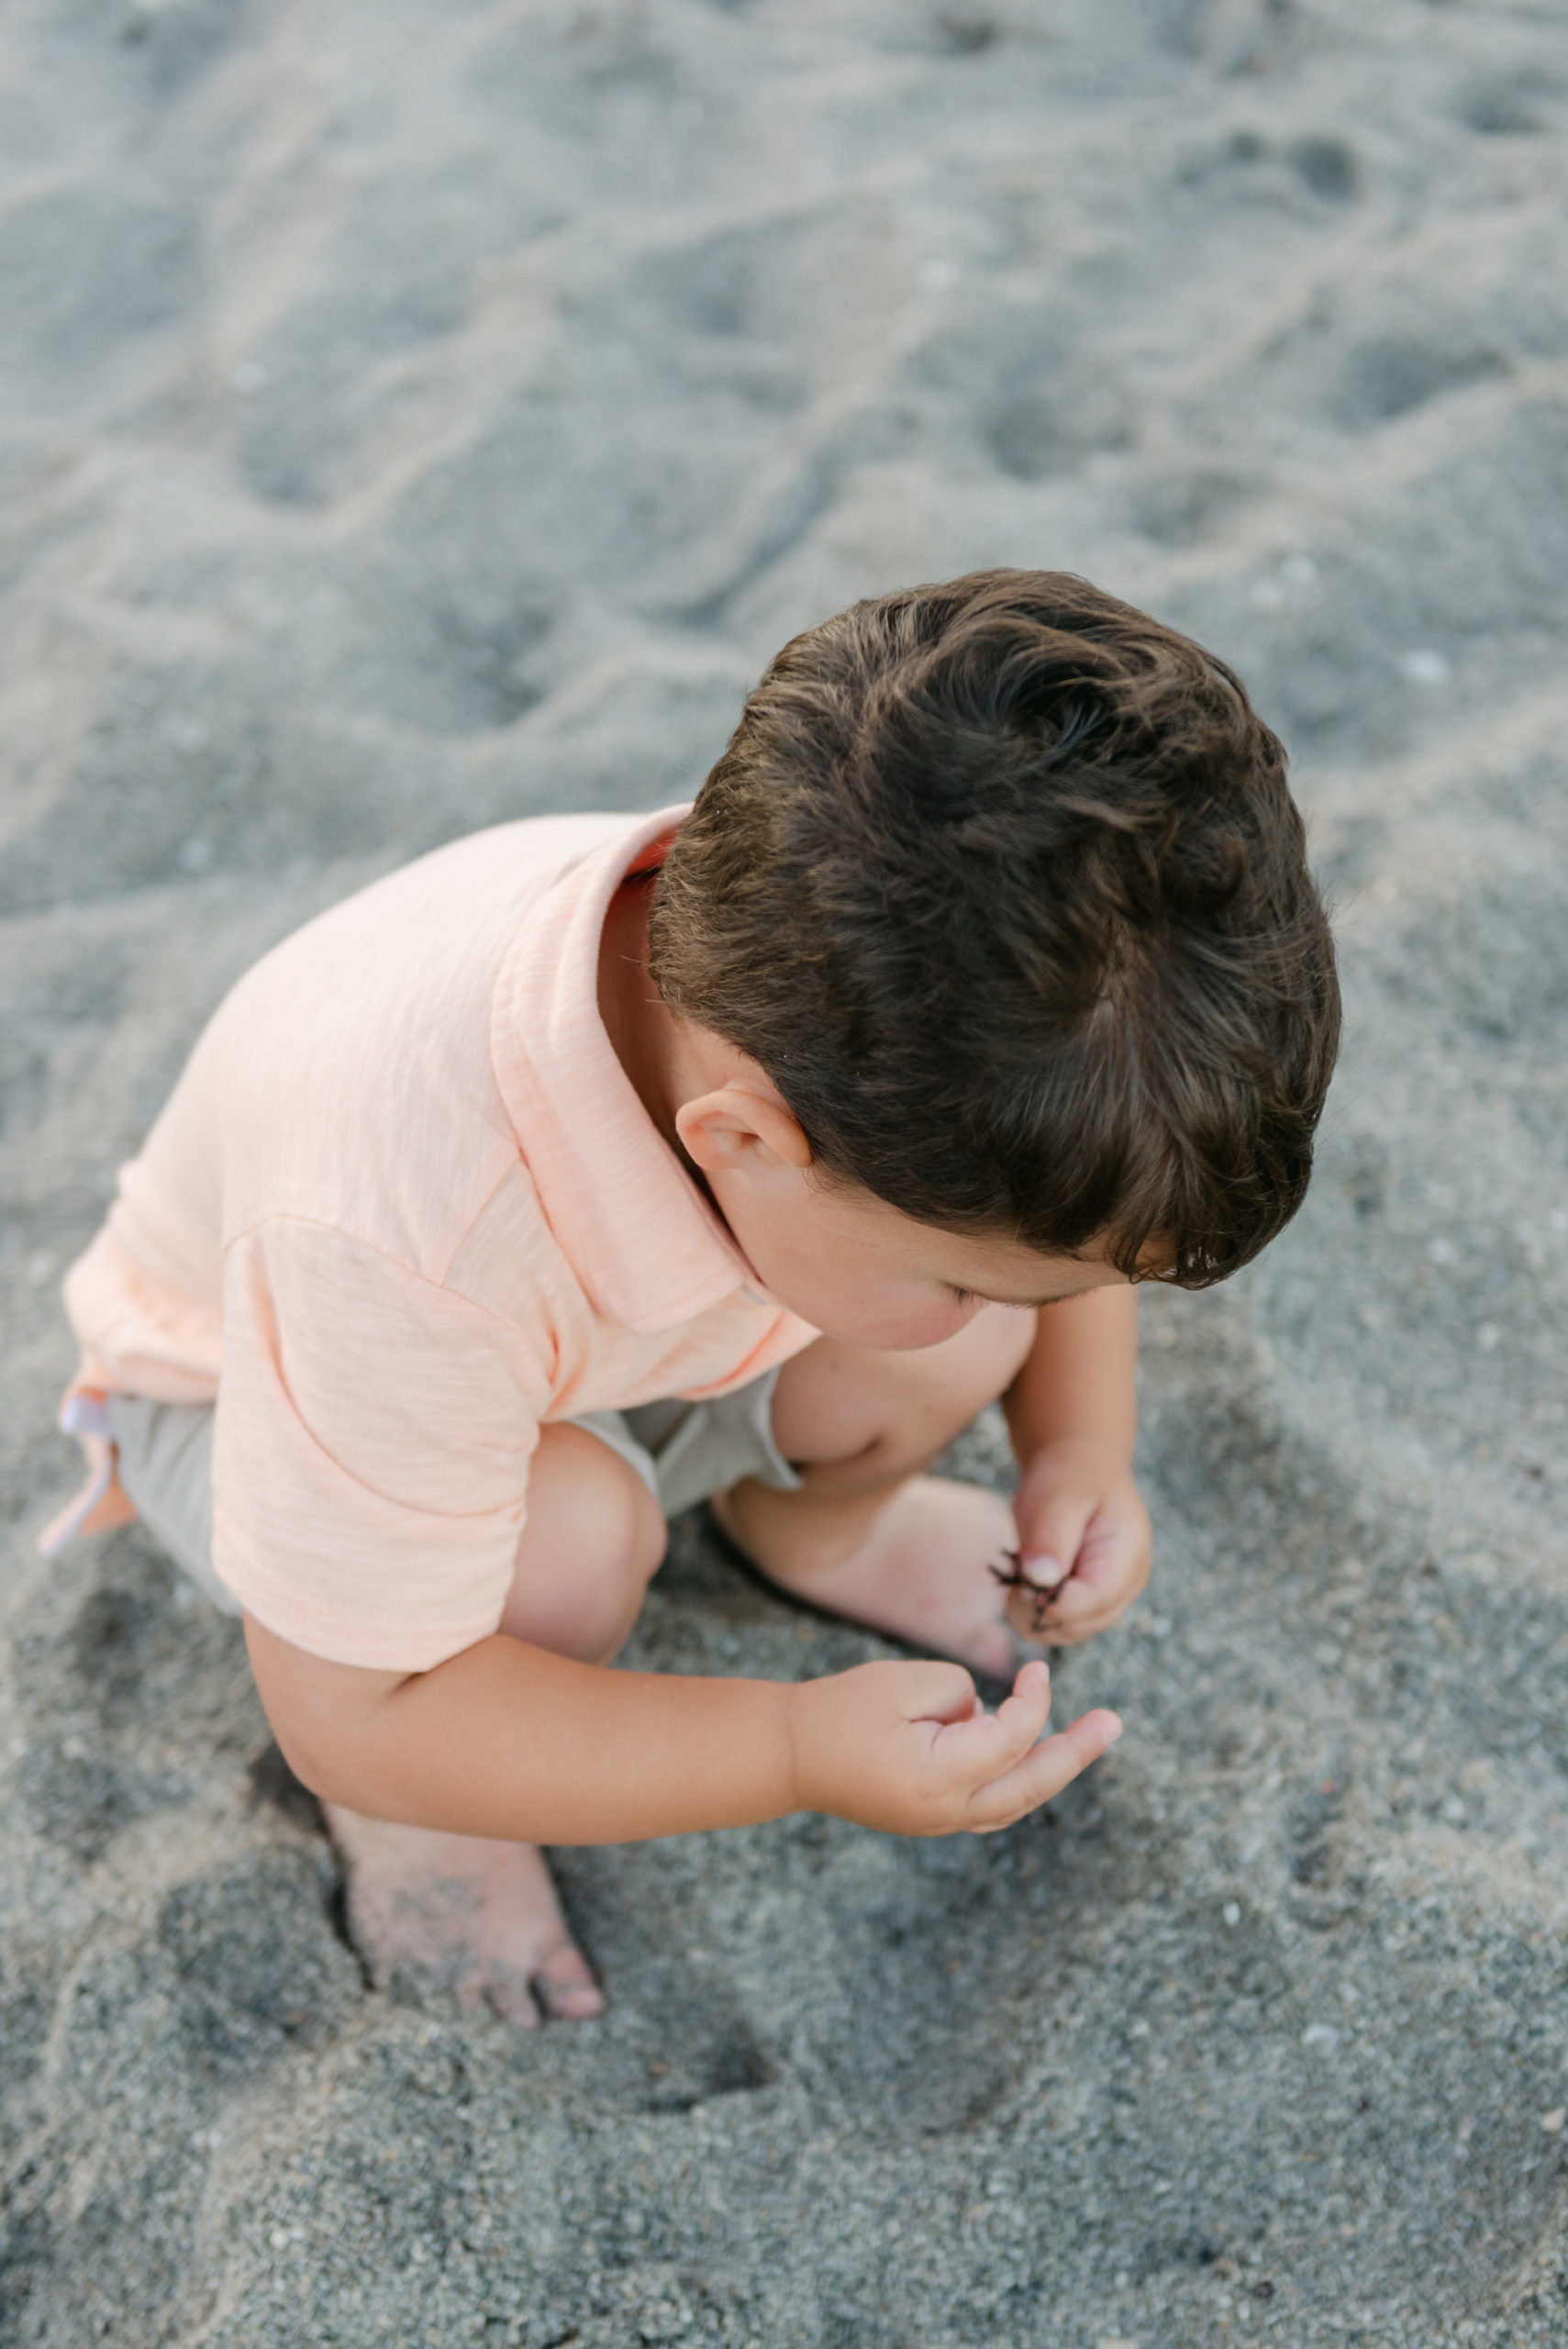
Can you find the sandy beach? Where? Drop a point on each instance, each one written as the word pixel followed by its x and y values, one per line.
pixel 414 415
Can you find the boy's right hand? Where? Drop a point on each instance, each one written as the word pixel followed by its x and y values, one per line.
pixel 908 1748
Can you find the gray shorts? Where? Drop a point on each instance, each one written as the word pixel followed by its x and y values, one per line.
pixel 682 1451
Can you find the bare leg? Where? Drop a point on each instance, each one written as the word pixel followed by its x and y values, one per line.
pixel 479 1919
pixel 867 1536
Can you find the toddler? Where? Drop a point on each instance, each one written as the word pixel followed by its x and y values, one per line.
pixel 594 1166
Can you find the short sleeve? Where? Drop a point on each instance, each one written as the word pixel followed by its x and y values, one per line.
pixel 371 1450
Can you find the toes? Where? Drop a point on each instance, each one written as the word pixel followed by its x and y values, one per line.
pixel 565 1988
pixel 573 2002
pixel 994 1651
pixel 507 1993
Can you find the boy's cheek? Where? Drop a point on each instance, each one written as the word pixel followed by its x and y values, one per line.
pixel 880 1325
pixel 922 1326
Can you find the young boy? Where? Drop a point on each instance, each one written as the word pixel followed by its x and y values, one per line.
pixel 593 1166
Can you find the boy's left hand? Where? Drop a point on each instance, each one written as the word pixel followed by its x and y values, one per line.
pixel 1081 1526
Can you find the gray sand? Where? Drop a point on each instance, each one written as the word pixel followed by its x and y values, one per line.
pixel 415 415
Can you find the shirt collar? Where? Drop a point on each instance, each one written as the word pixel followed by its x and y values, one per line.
pixel 647 1249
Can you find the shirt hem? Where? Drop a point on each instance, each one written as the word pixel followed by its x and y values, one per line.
pixel 337 1638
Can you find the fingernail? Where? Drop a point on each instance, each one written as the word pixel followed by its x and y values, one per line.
pixel 1115 1734
pixel 1045 1573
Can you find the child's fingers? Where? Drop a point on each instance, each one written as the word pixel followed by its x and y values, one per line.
pixel 1078 1614
pixel 1024 1713
pixel 1075 1611
pixel 1050 1541
pixel 1042 1772
pixel 983 1747
pixel 1033 1614
pixel 1111 1569
pixel 936 1692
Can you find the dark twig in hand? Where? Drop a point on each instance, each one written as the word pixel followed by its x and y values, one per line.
pixel 1012 1577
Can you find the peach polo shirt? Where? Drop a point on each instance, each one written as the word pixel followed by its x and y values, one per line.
pixel 403 1207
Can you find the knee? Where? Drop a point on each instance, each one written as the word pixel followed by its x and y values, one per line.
pixel 1006 1341
pixel 981 1366
pixel 881 1414
pixel 646 1535
pixel 944 1388
pixel 617 1528
pixel 594 1539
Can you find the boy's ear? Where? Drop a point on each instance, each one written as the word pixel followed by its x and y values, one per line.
pixel 717 1129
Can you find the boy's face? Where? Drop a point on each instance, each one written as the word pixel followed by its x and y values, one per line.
pixel 847 1262
pixel 861 1273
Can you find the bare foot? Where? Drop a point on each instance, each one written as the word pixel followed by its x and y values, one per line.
pixel 478 1920
pixel 918 1563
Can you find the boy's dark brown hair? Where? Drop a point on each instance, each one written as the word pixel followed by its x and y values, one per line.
pixel 1001 883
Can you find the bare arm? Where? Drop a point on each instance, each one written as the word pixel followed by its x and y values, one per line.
pixel 1081 1378
pixel 510 1741
pixel 507 1740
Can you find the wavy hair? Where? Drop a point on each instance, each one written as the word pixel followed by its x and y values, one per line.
pixel 1001 883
